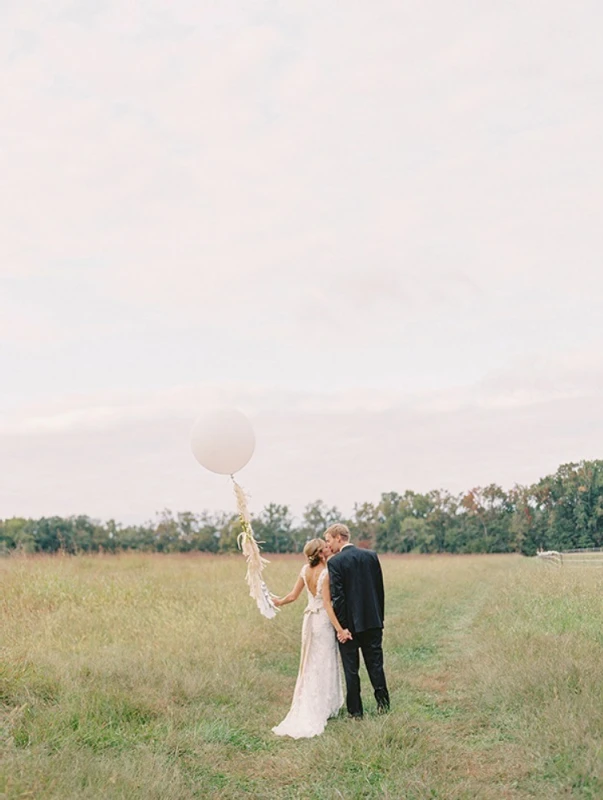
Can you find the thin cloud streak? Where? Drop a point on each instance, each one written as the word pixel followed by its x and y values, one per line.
pixel 131 458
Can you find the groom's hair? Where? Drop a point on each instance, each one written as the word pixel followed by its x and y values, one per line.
pixel 339 530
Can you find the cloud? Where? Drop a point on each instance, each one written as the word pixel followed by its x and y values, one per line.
pixel 254 170
pixel 376 229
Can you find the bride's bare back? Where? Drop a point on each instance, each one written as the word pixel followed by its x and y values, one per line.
pixel 312 576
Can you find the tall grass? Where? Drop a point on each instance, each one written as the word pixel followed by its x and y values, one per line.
pixel 148 676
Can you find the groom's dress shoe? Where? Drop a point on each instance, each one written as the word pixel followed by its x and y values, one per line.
pixel 355 716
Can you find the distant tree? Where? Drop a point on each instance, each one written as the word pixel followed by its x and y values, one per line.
pixel 391 513
pixel 204 533
pixel 51 534
pixel 316 519
pixel 12 536
pixel 364 524
pixel 274 527
pixel 441 532
pixel 491 512
pixel 85 532
pixel 167 533
pixel 137 537
pixel 229 529
pixel 560 511
pixel 523 520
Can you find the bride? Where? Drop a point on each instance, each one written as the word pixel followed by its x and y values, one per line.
pixel 318 694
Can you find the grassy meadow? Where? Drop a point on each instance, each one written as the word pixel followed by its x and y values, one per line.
pixel 148 676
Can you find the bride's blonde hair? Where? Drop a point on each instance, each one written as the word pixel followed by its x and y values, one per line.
pixel 312 551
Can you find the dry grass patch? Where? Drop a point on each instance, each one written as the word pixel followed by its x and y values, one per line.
pixel 147 676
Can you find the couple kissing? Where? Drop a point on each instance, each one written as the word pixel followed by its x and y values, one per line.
pixel 344 588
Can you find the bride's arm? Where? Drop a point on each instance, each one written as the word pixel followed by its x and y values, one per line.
pixel 326 599
pixel 292 596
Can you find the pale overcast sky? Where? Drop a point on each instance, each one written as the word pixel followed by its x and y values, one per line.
pixel 376 228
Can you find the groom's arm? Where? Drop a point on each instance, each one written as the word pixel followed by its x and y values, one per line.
pixel 379 586
pixel 337 594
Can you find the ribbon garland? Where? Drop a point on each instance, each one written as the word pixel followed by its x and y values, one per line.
pixel 248 544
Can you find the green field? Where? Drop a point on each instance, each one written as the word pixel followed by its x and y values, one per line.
pixel 147 676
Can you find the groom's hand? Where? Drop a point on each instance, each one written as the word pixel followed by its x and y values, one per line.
pixel 344 636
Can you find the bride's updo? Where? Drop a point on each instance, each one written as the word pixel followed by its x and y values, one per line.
pixel 313 551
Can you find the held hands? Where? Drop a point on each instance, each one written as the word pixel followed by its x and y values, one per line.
pixel 344 636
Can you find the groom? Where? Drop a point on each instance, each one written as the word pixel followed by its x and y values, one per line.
pixel 357 595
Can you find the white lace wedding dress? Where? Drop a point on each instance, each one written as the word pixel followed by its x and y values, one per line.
pixel 318 693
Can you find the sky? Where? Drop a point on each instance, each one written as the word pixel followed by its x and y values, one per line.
pixel 374 228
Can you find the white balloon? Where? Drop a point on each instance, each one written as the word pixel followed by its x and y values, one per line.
pixel 223 440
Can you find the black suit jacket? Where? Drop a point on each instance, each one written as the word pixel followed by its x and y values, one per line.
pixel 357 591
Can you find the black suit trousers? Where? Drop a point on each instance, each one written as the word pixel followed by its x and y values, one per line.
pixel 371 644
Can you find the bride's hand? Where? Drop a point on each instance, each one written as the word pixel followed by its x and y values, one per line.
pixel 277 601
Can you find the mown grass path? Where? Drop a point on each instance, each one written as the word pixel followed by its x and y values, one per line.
pixel 145 676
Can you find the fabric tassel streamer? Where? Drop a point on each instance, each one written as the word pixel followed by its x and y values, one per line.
pixel 255 562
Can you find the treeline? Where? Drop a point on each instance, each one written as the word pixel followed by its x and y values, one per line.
pixel 561 511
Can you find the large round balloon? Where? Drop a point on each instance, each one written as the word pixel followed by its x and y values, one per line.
pixel 223 440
